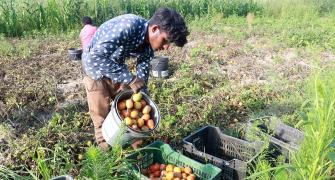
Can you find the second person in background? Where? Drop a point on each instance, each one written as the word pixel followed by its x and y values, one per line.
pixel 87 33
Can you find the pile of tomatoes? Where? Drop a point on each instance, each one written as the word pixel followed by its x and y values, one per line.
pixel 135 112
pixel 158 171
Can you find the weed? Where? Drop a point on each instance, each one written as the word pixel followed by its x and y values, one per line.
pixel 101 165
pixel 315 160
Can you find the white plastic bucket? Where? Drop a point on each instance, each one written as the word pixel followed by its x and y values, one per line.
pixel 111 127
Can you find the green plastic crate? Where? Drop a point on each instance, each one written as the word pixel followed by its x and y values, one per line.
pixel 159 152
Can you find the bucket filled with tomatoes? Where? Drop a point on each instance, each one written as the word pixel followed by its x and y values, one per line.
pixel 136 112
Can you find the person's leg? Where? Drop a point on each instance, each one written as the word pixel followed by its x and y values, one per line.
pixel 98 99
pixel 113 88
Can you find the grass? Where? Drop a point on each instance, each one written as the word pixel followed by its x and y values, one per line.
pixel 310 31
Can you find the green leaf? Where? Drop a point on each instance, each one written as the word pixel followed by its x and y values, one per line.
pixel 304 116
pixel 331 156
pixel 332 144
pixel 281 174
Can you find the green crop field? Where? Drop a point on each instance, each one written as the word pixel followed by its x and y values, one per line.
pixel 244 59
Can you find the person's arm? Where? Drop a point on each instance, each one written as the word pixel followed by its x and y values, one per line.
pixel 143 68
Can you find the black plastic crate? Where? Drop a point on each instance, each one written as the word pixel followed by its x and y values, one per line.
pixel 283 139
pixel 232 155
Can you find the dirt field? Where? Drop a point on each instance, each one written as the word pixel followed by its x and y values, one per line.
pixel 215 80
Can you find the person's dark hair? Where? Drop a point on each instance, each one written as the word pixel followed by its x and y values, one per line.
pixel 86 20
pixel 171 22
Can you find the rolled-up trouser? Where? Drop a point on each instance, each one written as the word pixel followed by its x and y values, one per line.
pixel 99 95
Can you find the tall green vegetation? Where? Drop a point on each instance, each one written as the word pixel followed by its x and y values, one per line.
pixel 297 8
pixel 18 17
pixel 316 158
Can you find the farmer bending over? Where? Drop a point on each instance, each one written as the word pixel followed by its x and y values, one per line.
pixel 104 59
pixel 86 34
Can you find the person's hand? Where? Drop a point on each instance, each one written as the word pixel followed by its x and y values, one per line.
pixel 136 84
pixel 123 87
pixel 136 144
